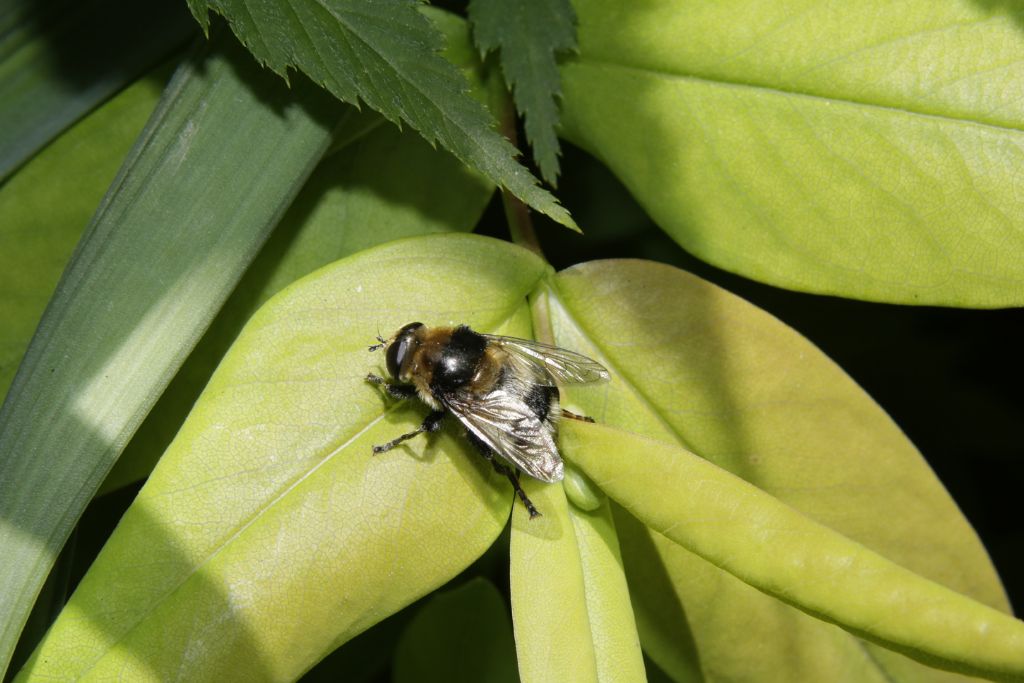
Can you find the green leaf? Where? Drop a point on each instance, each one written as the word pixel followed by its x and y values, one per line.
pixel 45 207
pixel 528 34
pixel 385 54
pixel 384 186
pixel 570 602
pixel 462 634
pixel 59 59
pixel 866 150
pixel 269 534
pixel 696 366
pixel 784 553
pixel 219 161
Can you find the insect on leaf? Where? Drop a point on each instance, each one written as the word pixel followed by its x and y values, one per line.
pixel 386 55
pixel 528 35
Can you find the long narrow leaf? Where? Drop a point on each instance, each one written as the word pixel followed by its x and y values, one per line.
pixel 220 161
pixel 46 206
pixel 776 549
pixel 60 58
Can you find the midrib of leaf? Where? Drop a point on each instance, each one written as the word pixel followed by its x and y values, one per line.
pixel 785 92
pixel 265 508
pixel 634 387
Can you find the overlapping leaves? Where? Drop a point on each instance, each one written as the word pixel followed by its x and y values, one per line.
pixel 386 55
pixel 269 528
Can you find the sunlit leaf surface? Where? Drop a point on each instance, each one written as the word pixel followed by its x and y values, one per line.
pixel 220 159
pixel 378 184
pixel 695 365
pixel 45 208
pixel 864 149
pixel 269 533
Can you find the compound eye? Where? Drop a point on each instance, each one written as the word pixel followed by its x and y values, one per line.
pixel 396 354
pixel 400 348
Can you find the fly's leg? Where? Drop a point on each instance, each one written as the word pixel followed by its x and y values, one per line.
pixel 509 472
pixel 513 477
pixel 574 416
pixel 399 391
pixel 431 423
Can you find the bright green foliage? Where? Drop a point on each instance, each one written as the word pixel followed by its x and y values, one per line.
pixel 459 636
pixel 741 508
pixel 382 186
pixel 384 54
pixel 528 35
pixel 696 366
pixel 159 258
pixel 570 602
pixel 776 549
pixel 270 522
pixel 269 519
pixel 864 149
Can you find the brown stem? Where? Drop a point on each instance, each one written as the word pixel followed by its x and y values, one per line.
pixel 517 213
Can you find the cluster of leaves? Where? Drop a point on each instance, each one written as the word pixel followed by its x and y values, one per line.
pixel 214 316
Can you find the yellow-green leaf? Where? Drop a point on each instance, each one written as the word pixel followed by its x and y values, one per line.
pixel 462 635
pixel 570 601
pixel 694 365
pixel 269 533
pixel 784 553
pixel 385 185
pixel 863 149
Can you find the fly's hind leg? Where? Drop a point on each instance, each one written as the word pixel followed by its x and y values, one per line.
pixel 574 416
pixel 430 424
pixel 509 472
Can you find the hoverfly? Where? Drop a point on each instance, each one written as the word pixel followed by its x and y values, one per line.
pixel 503 390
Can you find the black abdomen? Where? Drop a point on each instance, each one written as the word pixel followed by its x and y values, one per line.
pixel 540 399
pixel 459 361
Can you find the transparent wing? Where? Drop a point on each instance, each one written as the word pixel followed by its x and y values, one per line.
pixel 546 363
pixel 506 424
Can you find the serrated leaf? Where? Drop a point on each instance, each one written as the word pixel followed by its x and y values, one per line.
pixel 384 54
pixel 462 635
pixel 867 150
pixel 220 159
pixel 528 35
pixel 59 59
pixel 269 533
pixel 696 366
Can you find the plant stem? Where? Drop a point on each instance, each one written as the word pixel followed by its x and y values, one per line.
pixel 517 213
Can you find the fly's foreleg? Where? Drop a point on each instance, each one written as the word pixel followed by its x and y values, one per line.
pixel 430 424
pixel 399 391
